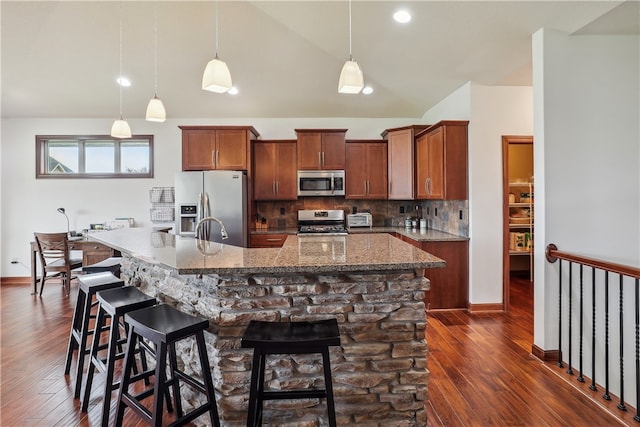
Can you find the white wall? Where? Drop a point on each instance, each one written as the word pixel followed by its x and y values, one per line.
pixel 492 111
pixel 587 149
pixel 30 205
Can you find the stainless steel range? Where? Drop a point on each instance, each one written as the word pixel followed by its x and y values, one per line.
pixel 321 223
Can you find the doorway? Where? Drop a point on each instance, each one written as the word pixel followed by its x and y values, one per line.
pixel 518 212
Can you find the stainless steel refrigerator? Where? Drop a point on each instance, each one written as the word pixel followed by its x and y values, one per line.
pixel 219 194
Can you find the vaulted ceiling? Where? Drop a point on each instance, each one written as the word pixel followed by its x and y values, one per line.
pixel 61 59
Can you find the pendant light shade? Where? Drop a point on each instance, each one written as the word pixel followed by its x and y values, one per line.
pixel 120 129
pixel 155 110
pixel 216 77
pixel 351 79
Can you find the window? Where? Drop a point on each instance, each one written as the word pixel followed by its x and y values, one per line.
pixel 94 156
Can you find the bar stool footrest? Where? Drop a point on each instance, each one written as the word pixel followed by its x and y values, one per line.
pixel 294 394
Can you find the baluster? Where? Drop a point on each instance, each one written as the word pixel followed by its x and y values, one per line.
pixel 621 405
pixel 560 314
pixel 580 341
pixel 569 361
pixel 606 395
pixel 593 330
pixel 637 416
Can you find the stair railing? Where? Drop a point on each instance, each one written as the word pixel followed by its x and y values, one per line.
pixel 626 275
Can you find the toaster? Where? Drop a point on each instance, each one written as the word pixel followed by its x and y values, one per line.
pixel 362 219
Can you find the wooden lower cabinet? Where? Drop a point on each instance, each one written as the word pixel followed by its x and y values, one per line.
pixel 449 285
pixel 267 240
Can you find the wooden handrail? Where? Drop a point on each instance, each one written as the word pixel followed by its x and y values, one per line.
pixel 553 254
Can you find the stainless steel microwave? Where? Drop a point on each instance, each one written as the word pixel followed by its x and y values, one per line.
pixel 321 183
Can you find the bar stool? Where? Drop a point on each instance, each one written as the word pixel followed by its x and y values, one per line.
pixel 288 338
pixel 113 303
pixel 88 286
pixel 164 325
pixel 111 264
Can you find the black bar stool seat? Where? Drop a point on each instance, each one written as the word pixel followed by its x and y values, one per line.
pixel 288 338
pixel 111 264
pixel 164 325
pixel 113 303
pixel 88 286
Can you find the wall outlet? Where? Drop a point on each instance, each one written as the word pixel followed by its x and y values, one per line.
pixel 460 215
pixel 401 209
pixel 281 211
pixel 14 260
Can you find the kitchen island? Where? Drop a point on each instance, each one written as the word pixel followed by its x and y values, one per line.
pixel 372 283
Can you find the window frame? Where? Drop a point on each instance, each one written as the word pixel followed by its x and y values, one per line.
pixel 42 164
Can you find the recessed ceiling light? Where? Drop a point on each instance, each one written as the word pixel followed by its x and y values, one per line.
pixel 123 81
pixel 367 90
pixel 233 90
pixel 402 16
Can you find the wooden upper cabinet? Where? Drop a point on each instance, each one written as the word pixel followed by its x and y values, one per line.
pixel 321 149
pixel 441 161
pixel 274 165
pixel 366 170
pixel 400 160
pixel 216 147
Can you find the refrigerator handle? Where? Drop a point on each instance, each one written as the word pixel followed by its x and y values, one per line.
pixel 207 213
pixel 199 213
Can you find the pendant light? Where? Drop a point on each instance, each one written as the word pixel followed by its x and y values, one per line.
pixel 155 108
pixel 351 79
pixel 216 77
pixel 120 128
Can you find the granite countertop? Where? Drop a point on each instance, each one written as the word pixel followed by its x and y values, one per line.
pixel 314 254
pixel 424 235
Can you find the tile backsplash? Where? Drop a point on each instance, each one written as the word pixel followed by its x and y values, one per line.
pixel 443 215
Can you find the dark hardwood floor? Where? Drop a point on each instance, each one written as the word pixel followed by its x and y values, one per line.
pixel 482 372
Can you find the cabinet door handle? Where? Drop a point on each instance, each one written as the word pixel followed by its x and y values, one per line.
pixel 213 158
pixel 368 188
pixel 319 158
pixel 274 240
pixel 364 184
pixel 277 187
pixel 323 158
pixel 426 189
pixel 217 157
pixel 273 187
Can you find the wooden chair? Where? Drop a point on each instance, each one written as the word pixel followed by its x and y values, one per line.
pixel 55 259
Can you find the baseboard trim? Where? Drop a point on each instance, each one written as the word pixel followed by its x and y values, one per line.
pixel 18 280
pixel 545 355
pixel 476 308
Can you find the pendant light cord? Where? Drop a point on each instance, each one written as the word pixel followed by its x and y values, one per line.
pixel 350 55
pixel 155 46
pixel 120 59
pixel 217 14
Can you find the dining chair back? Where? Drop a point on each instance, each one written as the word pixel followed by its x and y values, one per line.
pixel 53 249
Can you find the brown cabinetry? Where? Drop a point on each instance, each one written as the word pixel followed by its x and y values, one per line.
pixel 274 170
pixel 400 161
pixel 321 149
pixel 441 161
pixel 450 284
pixel 366 170
pixel 216 147
pixel 267 240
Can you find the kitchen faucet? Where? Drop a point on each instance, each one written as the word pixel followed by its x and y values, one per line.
pixel 223 230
